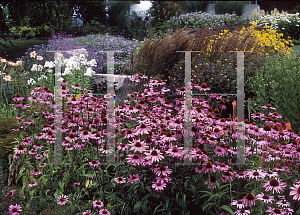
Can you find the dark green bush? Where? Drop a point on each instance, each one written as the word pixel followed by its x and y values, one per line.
pixel 222 7
pixel 117 12
pixel 277 83
pixel 193 6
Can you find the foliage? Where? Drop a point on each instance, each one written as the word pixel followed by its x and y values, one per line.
pixel 7 139
pixel 194 6
pixel 285 23
pixel 136 27
pixel 276 83
pixel 161 11
pixel 200 20
pixel 223 7
pixel 117 12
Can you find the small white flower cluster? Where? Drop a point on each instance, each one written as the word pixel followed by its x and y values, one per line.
pixel 31 81
pixel 272 20
pixel 205 19
pixel 36 67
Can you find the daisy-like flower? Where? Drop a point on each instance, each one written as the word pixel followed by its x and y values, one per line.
pixel 161 170
pixel 87 212
pixel 135 159
pixel 275 186
pixel 39 57
pixel 257 175
pixel 275 211
pixel 14 209
pixel 159 185
pixel 20 149
pixel 35 172
pixel 295 192
pixel 283 203
pixel 10 193
pixel 242 212
pixel 209 167
pixel 138 146
pixel 133 178
pixel 76 184
pixel 175 152
pixel 120 180
pixel 42 164
pixel 249 199
pixel 154 155
pixel 94 163
pixel 33 184
pixel 239 204
pixel 98 204
pixel 18 97
pixel 62 200
pixel 104 212
pixel 265 198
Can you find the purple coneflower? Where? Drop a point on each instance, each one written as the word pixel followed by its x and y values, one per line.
pixel 20 149
pixel 14 209
pixel 265 198
pixel 120 180
pixel 239 204
pixel 275 211
pixel 10 193
pixel 135 159
pixel 133 178
pixel 87 212
pixel 62 200
pixel 249 199
pixel 104 212
pixel 154 155
pixel 295 192
pixel 159 185
pixel 242 212
pixel 98 204
pixel 94 163
pixel 33 184
pixel 35 172
pixel 161 170
pixel 274 185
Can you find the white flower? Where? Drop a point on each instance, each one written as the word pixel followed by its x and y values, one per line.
pixel 36 67
pixel 66 72
pixel 42 77
pixel 89 72
pixel 31 81
pixel 49 64
pixel 92 63
pixel 49 70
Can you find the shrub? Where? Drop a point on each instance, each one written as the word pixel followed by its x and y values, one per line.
pixel 117 12
pixel 223 7
pixel 199 19
pixel 161 11
pixel 277 83
pixel 193 6
pixel 7 138
pixel 285 23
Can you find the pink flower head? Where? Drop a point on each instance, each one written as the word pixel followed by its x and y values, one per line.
pixel 104 212
pixel 10 193
pixel 62 200
pixel 87 212
pixel 33 184
pixel 295 192
pixel 14 209
pixel 35 172
pixel 275 186
pixel 98 204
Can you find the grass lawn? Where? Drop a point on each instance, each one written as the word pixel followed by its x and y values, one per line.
pixel 18 48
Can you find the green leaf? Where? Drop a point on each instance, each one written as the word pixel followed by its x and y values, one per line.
pixel 208 205
pixel 137 206
pixel 67 178
pixel 226 208
pixel 84 166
